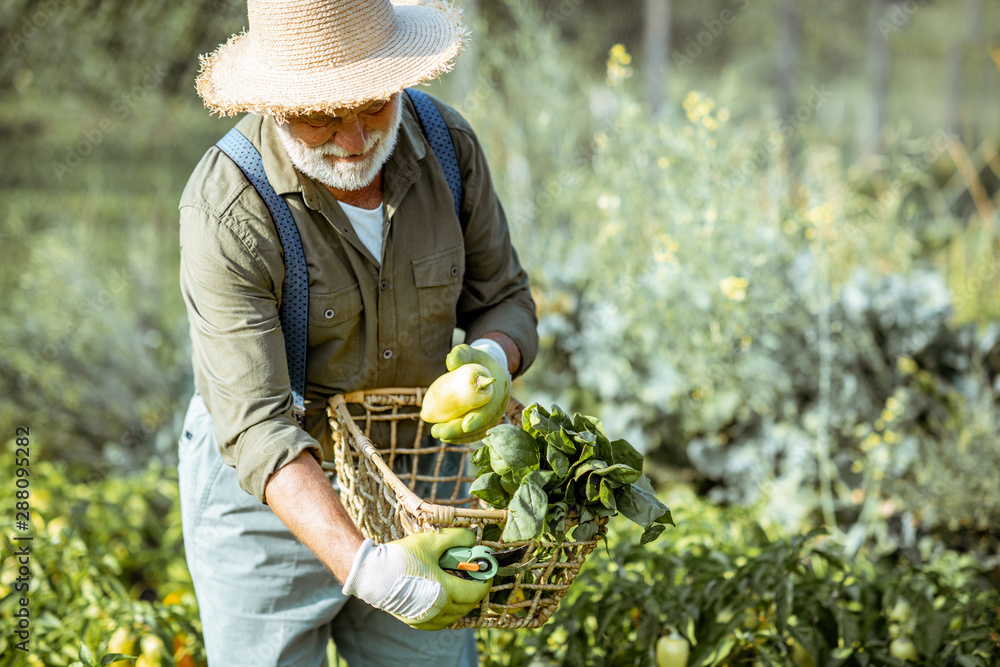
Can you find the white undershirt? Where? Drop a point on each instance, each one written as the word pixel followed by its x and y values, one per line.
pixel 367 225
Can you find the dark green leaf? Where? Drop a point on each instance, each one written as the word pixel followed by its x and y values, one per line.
pixel 492 532
pixel 607 495
pixel 585 531
pixel 508 483
pixel 556 519
pixel 651 533
pixel 620 472
pixel 593 488
pixel 623 452
pixel 606 511
pixel 543 477
pixel 512 450
pixel 561 440
pixel 558 418
pixel 489 488
pixel 481 457
pixel 526 511
pixel 535 420
pixel 588 466
pixel 586 452
pixel 558 461
pixel 642 506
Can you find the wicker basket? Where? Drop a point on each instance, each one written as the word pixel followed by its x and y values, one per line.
pixel 415 483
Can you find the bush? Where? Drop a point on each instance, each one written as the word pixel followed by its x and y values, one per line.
pixel 717 311
pixel 107 557
pixel 742 592
pixel 729 579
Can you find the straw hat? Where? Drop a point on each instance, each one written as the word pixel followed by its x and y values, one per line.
pixel 313 57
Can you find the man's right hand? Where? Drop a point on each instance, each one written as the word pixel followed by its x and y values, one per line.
pixel 403 578
pixel 473 426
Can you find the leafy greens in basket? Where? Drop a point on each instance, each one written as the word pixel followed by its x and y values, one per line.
pixel 553 470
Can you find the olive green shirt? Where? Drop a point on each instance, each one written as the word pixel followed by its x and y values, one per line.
pixel 373 322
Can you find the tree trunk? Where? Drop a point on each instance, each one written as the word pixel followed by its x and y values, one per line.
pixel 656 44
pixel 467 63
pixel 878 73
pixel 788 65
pixel 953 72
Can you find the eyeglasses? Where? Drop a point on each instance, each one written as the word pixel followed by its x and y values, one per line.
pixel 320 119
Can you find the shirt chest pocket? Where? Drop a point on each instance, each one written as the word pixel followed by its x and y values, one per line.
pixel 438 279
pixel 335 327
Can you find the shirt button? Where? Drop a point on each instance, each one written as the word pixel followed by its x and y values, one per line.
pixel 383 284
pixel 454 271
pixel 329 313
pixel 387 354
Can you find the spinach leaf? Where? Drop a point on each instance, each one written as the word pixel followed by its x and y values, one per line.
pixel 620 472
pixel 585 531
pixel 558 461
pixel 511 450
pixel 554 469
pixel 642 506
pixel 481 459
pixel 508 483
pixel 526 511
pixel 488 488
pixel 623 452
pixel 651 533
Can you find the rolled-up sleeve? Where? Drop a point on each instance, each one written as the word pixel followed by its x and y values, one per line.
pixel 495 295
pixel 238 345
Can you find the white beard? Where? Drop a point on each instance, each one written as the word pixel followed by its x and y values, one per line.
pixel 337 174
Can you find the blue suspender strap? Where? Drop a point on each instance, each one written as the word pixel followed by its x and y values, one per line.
pixel 440 140
pixel 294 309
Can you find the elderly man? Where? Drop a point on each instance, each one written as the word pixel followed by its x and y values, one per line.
pixel 330 244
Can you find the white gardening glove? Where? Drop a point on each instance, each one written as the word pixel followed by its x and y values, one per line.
pixel 403 578
pixel 494 348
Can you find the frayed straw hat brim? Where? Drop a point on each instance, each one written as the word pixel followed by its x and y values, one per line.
pixel 427 38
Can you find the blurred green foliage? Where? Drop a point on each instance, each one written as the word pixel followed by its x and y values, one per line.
pixel 731 580
pixel 819 343
pixel 743 592
pixel 104 555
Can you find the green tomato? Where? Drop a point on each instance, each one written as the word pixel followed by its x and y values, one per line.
pixel 901 612
pixel 903 648
pixel 672 651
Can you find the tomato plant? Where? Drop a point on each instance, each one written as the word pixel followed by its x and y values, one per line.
pixel 738 593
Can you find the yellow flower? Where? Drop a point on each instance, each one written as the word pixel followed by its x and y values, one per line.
pixel 734 288
pixel 663 162
pixel 618 64
pixel 870 442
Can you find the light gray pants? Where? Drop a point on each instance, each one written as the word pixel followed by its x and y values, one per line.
pixel 264 598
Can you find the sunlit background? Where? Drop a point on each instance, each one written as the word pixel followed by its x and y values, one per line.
pixel 762 236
